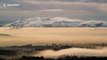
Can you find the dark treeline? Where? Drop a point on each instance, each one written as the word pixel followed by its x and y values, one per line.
pixel 13 50
pixel 61 58
pixel 29 49
pixel 61 46
pixel 8 52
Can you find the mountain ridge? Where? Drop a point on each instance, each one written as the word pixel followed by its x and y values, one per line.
pixel 55 22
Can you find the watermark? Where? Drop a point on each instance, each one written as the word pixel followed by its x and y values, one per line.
pixel 11 5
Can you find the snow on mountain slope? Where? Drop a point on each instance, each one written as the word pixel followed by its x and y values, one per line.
pixel 55 22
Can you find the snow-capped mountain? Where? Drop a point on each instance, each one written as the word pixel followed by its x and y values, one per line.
pixel 55 22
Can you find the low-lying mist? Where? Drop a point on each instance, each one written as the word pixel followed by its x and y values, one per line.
pixel 73 52
pixel 71 35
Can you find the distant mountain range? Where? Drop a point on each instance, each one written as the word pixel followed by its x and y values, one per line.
pixel 55 22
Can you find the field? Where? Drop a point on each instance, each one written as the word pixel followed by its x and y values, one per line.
pixel 74 35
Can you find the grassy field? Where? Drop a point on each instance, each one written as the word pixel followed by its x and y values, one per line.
pixel 35 36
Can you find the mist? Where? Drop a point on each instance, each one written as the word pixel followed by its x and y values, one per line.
pixel 52 35
pixel 73 52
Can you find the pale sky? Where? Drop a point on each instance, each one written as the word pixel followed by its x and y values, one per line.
pixel 78 9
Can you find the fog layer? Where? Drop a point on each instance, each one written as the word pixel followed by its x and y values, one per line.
pixel 73 52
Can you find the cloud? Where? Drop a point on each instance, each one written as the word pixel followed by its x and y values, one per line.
pixel 90 6
pixel 79 9
pixel 73 51
pixel 52 10
pixel 96 1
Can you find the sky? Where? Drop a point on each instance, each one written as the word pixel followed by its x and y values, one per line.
pixel 78 9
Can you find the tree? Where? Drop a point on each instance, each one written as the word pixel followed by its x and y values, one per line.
pixel 98 24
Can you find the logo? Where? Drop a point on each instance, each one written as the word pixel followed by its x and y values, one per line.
pixel 11 5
